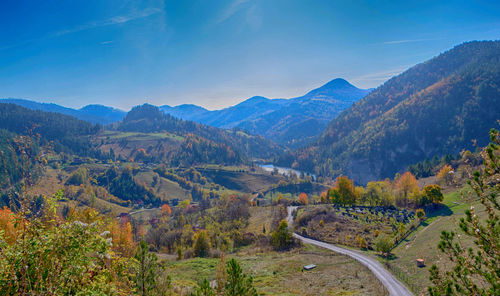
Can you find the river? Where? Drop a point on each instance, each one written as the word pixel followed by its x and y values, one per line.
pixel 284 170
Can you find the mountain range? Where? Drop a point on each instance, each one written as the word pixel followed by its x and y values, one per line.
pixel 92 113
pixel 438 107
pixel 290 122
pixel 441 106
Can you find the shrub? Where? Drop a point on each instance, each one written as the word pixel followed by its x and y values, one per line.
pixel 383 244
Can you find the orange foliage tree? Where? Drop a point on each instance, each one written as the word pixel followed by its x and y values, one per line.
pixel 165 210
pixel 123 239
pixel 303 199
pixel 406 184
pixel 343 193
pixel 445 174
pixel 7 225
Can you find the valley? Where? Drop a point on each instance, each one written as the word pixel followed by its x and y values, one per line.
pixel 368 188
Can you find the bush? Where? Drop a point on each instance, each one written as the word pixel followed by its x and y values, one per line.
pixel 383 244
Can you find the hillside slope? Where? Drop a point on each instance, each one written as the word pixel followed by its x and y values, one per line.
pixel 438 107
pixel 197 143
pixel 291 122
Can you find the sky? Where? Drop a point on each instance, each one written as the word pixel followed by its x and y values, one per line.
pixel 216 53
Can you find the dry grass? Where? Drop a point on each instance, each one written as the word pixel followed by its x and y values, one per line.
pixel 281 273
pixel 260 217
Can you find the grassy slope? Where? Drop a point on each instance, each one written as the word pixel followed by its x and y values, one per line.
pixel 240 179
pixel 423 242
pixel 281 273
pixel 260 216
pixel 165 188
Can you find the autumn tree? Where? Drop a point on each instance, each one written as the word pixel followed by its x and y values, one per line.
pixel 344 192
pixel 57 257
pixel 165 210
pixel 432 193
pixel 303 199
pixel 7 221
pixel 377 193
pixel 476 270
pixel 406 184
pixel 445 175
pixel 123 238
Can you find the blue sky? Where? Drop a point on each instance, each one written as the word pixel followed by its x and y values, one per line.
pixel 218 53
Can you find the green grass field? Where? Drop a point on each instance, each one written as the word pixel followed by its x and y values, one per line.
pixel 423 242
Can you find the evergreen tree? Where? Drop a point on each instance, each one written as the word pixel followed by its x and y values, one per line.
pixel 477 269
pixel 146 268
pixel 204 289
pixel 238 283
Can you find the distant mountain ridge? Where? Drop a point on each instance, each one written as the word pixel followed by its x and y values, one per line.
pixel 291 122
pixel 92 113
pixel 435 108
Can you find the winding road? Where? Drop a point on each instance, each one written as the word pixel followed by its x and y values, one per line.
pixel 394 286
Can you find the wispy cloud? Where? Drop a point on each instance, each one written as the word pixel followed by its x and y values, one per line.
pixel 230 10
pixel 109 22
pixel 409 41
pixel 379 77
pixel 116 20
pixel 106 42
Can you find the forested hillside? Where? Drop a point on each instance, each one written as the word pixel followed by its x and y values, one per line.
pixel 92 113
pixel 198 143
pixel 66 133
pixel 438 107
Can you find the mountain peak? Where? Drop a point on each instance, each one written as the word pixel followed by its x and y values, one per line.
pixel 253 101
pixel 338 83
pixel 339 89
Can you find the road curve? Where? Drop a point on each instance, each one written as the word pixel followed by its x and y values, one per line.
pixel 395 287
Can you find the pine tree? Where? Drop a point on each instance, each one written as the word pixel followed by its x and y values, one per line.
pixel 146 268
pixel 238 283
pixel 204 289
pixel 477 269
